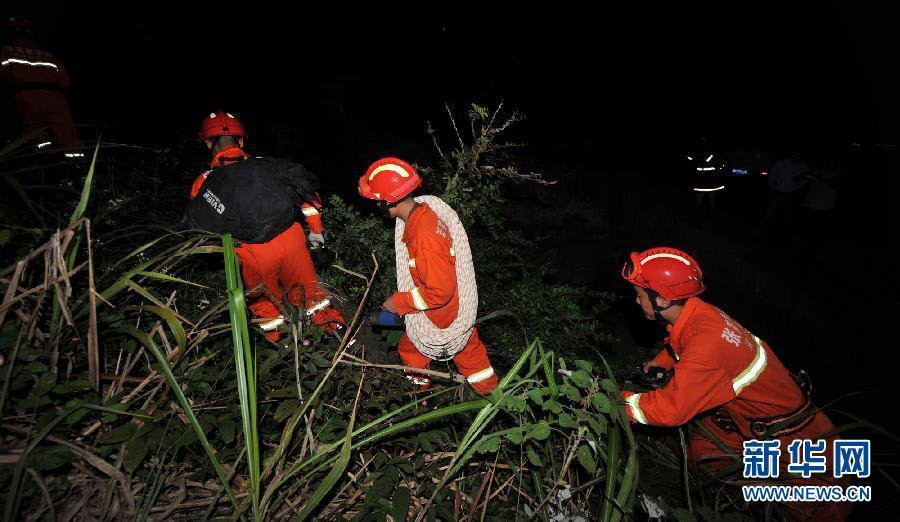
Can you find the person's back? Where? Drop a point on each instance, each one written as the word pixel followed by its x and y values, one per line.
pixel 282 265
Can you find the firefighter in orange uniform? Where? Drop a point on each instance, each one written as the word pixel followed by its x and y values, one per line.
pixel 282 264
pixel 39 80
pixel 723 371
pixel 432 266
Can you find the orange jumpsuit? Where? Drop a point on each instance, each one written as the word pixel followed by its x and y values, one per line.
pixel 433 269
pixel 38 79
pixel 280 265
pixel 723 368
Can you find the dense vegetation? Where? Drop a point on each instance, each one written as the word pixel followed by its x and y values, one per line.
pixel 134 387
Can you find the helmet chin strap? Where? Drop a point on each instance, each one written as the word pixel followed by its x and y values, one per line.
pixel 657 310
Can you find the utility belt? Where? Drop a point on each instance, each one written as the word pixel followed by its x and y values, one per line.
pixel 28 86
pixel 776 425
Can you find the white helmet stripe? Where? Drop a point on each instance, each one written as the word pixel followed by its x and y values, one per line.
pixel 673 256
pixel 391 167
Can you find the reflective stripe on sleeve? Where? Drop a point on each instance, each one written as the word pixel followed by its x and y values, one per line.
pixel 318 306
pixel 417 299
pixel 480 376
pixel 412 263
pixel 753 371
pixel 272 324
pixel 452 252
pixel 633 402
pixel 310 211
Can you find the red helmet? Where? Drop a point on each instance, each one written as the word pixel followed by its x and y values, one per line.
pixel 221 123
pixel 388 179
pixel 671 273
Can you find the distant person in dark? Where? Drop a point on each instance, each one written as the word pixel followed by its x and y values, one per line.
pixel 38 81
pixel 707 180
pixel 787 179
pixel 820 202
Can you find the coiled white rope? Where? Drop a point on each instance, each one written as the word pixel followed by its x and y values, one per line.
pixel 441 343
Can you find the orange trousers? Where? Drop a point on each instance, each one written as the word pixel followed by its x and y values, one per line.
pixel 44 108
pixel 472 362
pixel 709 459
pixel 283 266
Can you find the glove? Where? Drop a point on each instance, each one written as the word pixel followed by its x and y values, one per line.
pixel 316 240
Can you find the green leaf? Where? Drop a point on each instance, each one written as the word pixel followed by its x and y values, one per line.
pixel 187 437
pixel 515 435
pixel 33 401
pixel 570 392
pixel 601 402
pixel 515 404
pixel 51 457
pixel 609 385
pixel 566 421
pixel 226 431
pixel 536 396
pixel 46 382
pixel 285 409
pixel 534 458
pixel 400 507
pixel 581 378
pixel 552 406
pixel 117 435
pixel 36 367
pixel 135 451
pixel 539 431
pixel 384 485
pixel 425 443
pixel 596 422
pixel 586 459
pixel 113 406
pixel 72 386
pixel 319 361
pixel 587 366
pixel 490 445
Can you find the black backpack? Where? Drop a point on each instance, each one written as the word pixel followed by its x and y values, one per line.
pixel 254 199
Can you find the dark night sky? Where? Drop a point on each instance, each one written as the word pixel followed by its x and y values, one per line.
pixel 646 72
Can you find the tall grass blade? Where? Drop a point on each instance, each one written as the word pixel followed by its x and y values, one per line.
pixel 244 366
pixel 86 190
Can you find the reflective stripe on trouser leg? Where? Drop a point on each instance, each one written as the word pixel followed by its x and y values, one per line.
pixel 318 306
pixel 413 358
pixel 272 323
pixel 480 375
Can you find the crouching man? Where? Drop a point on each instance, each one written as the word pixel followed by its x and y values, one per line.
pixel 726 377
